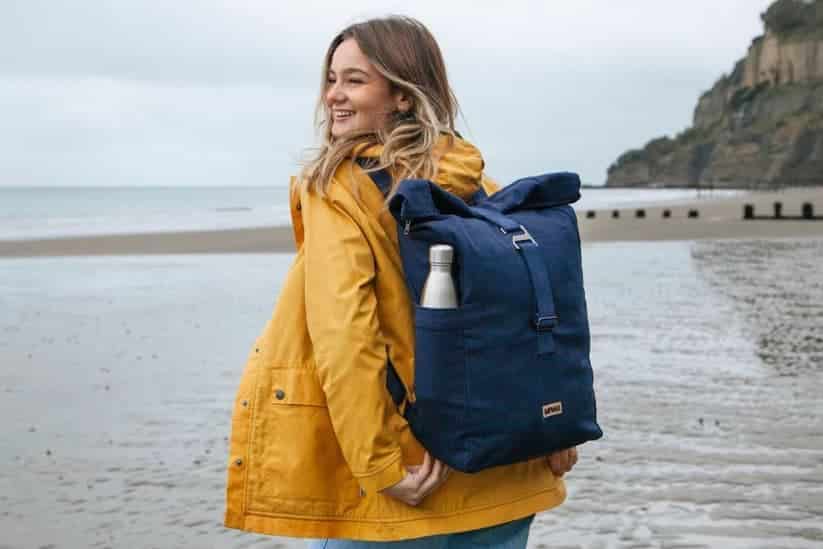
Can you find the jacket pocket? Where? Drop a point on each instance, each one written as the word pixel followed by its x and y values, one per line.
pixel 296 463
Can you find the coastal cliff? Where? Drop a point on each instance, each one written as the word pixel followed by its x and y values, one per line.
pixel 760 126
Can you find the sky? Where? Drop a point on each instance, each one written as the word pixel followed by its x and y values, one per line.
pixel 200 92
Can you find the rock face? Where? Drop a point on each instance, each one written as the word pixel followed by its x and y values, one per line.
pixel 760 126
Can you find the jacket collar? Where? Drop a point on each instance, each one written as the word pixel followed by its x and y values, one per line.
pixel 459 165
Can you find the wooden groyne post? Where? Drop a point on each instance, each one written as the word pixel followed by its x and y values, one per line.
pixel 806 213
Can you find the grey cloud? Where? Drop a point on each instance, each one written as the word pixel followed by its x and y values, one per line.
pixel 205 92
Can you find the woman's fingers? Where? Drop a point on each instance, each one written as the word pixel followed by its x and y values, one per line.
pixel 561 462
pixel 406 490
pixel 553 460
pixel 424 469
pixel 439 474
pixel 419 481
pixel 432 479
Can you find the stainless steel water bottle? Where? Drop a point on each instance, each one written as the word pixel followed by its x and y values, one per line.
pixel 439 291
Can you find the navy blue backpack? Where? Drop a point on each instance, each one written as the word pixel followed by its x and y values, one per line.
pixel 506 376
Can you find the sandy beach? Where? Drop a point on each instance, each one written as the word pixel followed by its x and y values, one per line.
pixel 718 218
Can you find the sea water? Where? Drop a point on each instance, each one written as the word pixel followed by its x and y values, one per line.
pixel 72 211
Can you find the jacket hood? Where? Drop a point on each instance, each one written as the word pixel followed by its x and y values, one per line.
pixel 459 166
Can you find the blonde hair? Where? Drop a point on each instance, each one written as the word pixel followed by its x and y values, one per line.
pixel 407 55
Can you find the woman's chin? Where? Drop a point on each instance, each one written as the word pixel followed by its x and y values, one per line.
pixel 344 130
pixel 340 129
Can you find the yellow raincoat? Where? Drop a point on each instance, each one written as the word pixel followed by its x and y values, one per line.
pixel 315 434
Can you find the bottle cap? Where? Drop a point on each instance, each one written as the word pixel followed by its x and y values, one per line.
pixel 441 253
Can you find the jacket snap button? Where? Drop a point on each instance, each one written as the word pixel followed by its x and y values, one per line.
pixel 238 462
pixel 279 394
pixel 298 207
pixel 245 403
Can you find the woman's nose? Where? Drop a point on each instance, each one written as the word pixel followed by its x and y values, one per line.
pixel 333 93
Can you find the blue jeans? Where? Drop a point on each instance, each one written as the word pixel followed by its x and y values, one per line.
pixel 511 535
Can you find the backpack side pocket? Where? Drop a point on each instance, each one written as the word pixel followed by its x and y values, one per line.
pixel 440 381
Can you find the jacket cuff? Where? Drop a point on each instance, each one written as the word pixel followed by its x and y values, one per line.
pixel 386 477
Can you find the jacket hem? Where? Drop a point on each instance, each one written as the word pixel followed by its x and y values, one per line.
pixel 396 529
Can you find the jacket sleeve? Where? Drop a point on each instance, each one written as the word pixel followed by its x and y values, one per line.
pixel 349 349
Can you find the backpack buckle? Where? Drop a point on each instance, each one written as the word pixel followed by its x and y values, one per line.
pixel 523 237
pixel 545 323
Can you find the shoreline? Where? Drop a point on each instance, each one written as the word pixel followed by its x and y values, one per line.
pixel 719 218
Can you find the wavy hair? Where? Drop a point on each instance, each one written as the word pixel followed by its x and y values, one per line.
pixel 404 51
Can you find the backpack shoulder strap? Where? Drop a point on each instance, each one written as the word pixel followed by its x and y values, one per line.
pixel 381 178
pixel 395 386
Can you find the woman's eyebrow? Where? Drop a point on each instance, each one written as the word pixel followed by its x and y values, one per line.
pixel 350 70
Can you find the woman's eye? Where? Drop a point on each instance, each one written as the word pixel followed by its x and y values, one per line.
pixel 354 81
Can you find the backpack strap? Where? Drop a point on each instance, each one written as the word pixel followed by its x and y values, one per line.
pixel 395 386
pixel 545 318
pixel 479 196
pixel 505 224
pixel 524 243
pixel 381 178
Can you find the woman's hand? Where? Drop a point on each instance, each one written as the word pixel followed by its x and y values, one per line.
pixel 420 481
pixel 562 461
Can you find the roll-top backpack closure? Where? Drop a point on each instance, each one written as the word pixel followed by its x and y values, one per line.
pixel 420 198
pixel 541 191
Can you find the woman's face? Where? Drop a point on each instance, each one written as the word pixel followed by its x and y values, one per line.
pixel 357 96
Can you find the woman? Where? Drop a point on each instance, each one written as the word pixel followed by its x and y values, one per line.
pixel 318 447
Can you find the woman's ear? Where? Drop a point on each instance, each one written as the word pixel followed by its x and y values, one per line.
pixel 402 102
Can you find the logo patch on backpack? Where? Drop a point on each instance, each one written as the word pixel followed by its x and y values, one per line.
pixel 552 409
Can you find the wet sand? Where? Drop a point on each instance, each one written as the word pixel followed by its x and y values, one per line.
pixel 719 218
pixel 117 376
pixel 251 240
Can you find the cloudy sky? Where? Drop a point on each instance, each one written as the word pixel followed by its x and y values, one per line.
pixel 202 92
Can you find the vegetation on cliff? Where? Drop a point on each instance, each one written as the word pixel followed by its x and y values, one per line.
pixel 759 126
pixel 794 19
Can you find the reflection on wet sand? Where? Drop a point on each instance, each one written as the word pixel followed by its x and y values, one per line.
pixel 777 289
pixel 708 443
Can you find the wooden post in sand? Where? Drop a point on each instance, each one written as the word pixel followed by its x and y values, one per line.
pixel 748 211
pixel 778 210
pixel 808 210
pixel 640 214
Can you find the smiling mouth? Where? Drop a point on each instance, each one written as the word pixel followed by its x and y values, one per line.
pixel 342 115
